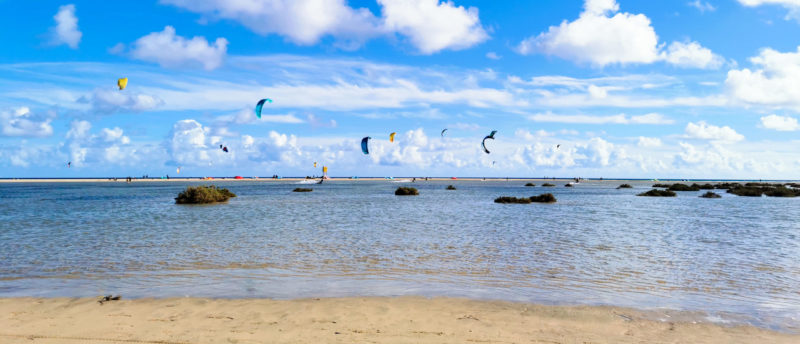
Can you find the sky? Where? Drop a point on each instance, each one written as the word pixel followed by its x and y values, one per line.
pixel 594 88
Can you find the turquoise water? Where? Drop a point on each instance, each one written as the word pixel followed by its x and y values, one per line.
pixel 736 258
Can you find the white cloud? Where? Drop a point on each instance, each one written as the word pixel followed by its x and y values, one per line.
pixel 22 122
pixel 702 6
pixel 114 135
pixel 110 146
pixel 648 142
pixel 247 116
pixel 317 122
pixel 493 55
pixel 598 151
pixel 705 131
pixel 303 22
pixel 691 55
pixel 780 123
pixel 774 82
pixel 433 26
pixel 105 101
pixel 66 29
pixel 651 118
pixel 189 143
pixel 603 36
pixel 792 5
pixel 170 50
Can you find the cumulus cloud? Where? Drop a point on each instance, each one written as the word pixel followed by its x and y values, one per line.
pixel 111 145
pixel 430 25
pixel 603 36
pixel 22 122
pixel 691 55
pixel 774 81
pixel 303 22
pixel 66 29
pixel 170 50
pixel 189 143
pixel 792 5
pixel 104 101
pixel 780 123
pixel 704 131
pixel 648 142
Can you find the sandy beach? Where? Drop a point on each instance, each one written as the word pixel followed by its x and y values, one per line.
pixel 348 320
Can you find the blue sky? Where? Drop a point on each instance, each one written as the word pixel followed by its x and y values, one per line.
pixel 646 89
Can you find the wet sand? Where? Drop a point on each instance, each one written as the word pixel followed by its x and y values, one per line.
pixel 349 320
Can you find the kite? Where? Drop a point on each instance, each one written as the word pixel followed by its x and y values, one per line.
pixel 260 104
pixel 364 147
pixel 483 143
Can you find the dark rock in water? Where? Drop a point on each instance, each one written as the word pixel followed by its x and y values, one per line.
pixel 548 185
pixel 544 198
pixel 661 185
pixel 710 195
pixel 530 184
pixel 746 191
pixel 568 185
pixel 781 191
pixel 703 186
pixel 406 191
pixel 513 200
pixel 657 193
pixel 758 189
pixel 727 186
pixel 683 187
pixel 203 195
pixel 302 190
pixel 451 187
pixel 625 186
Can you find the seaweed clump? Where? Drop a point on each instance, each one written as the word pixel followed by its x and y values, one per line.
pixel 781 191
pixel 302 190
pixel 625 186
pixel 683 187
pixel 727 186
pixel 657 185
pixel 203 195
pixel 450 187
pixel 530 184
pixel 543 198
pixel 710 194
pixel 747 191
pixel 548 185
pixel 657 193
pixel 406 191
pixel 512 200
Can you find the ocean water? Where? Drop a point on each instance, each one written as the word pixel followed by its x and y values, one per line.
pixel 736 259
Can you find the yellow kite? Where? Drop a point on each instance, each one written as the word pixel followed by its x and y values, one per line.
pixel 122 82
pixel 391 137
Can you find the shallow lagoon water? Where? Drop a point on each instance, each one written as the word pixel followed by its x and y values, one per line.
pixel 735 258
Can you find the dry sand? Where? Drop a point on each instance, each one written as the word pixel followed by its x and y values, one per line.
pixel 346 320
